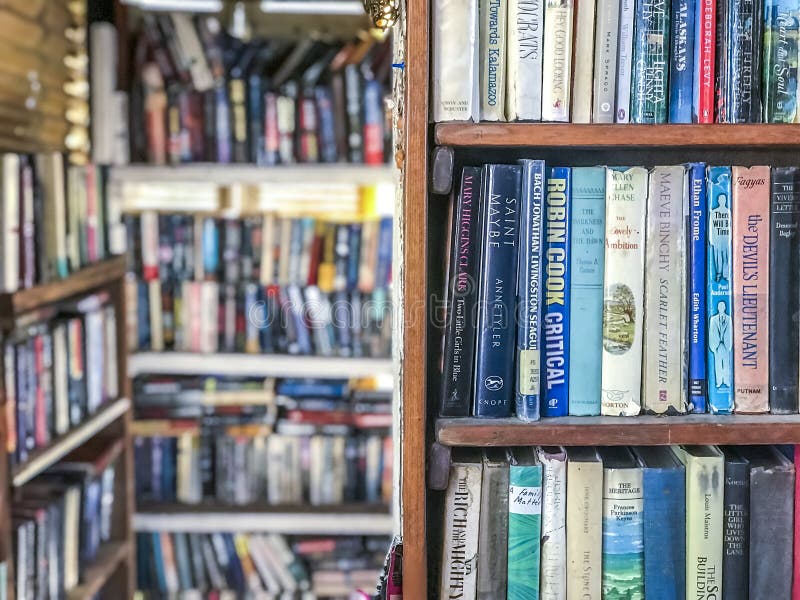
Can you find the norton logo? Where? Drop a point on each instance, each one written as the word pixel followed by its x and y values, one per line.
pixel 493 383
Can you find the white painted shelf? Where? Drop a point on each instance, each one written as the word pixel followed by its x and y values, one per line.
pixel 43 458
pixel 305 7
pixel 256 365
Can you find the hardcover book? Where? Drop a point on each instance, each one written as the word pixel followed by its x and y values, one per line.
pixel 745 30
pixel 584 62
pixel 584 523
pixel 455 61
pixel 784 265
pixel 704 61
pixel 627 11
pixel 493 529
pixel 736 525
pixel 605 61
pixel 623 282
pixel 529 291
pixel 681 66
pixel 587 257
pixel 664 363
pixel 751 199
pixel 492 24
pixel 557 60
pixel 623 543
pixel 650 62
pixel 696 174
pixel 772 481
pixel 780 61
pixel 705 469
pixel 525 22
pixel 554 522
pixel 459 341
pixel 719 277
pixel 524 524
pixel 498 230
pixel 555 320
pixel 664 522
pixel 796 568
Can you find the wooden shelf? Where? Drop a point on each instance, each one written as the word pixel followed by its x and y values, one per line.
pixel 348 519
pixel 621 431
pixel 42 458
pixel 81 282
pixel 96 575
pixel 256 365
pixel 579 135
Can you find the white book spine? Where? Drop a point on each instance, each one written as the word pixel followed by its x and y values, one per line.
pixel 584 62
pixel 557 69
pixel 625 61
pixel 623 283
pixel 455 60
pixel 103 45
pixel 524 60
pixel 461 519
pixel 209 334
pixel 60 380
pixel 553 584
pixel 122 143
pixel 9 222
pixel 664 367
pixel 493 59
pixel 605 61
pixel 156 321
pixel 584 529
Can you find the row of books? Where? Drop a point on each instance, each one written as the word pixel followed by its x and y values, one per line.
pixel 61 520
pixel 59 372
pixel 620 290
pixel 616 61
pixel 268 249
pixel 226 566
pixel 205 95
pixel 620 523
pixel 53 218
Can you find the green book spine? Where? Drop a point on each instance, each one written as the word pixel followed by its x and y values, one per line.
pixel 650 62
pixel 524 530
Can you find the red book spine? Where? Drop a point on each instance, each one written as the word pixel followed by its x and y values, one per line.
pixel 707 41
pixel 39 411
pixel 796 578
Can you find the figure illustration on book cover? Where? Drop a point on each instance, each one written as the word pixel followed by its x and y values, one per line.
pixel 721 242
pixel 619 314
pixel 720 342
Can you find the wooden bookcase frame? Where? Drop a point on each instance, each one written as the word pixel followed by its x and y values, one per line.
pixel 421 248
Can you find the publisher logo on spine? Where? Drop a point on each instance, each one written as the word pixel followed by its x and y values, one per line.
pixel 493 383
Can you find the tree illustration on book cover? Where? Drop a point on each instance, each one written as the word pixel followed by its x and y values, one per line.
pixel 619 315
pixel 623 553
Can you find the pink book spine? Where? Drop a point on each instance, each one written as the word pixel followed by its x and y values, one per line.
pixel 796 578
pixel 750 208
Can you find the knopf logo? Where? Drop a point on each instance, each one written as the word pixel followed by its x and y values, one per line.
pixel 493 383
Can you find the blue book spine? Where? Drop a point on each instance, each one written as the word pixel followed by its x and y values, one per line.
pixel 529 290
pixel 719 272
pixel 556 293
pixel 681 72
pixel 697 287
pixel 158 561
pixel 587 254
pixel 210 247
pixel 664 546
pixel 497 273
pixel 354 256
pixel 383 270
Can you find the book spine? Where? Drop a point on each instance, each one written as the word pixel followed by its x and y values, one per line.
pixel 554 524
pixel 494 365
pixel 557 60
pixel 555 320
pixel 493 532
pixel 681 71
pixel 587 258
pixel 605 61
pixel 746 23
pixel 623 282
pixel 697 287
pixel 780 61
pixel 461 519
pixel 9 222
pixel 529 291
pixel 722 48
pixel 455 52
pixel 736 529
pixel 719 369
pixel 664 366
pixel 705 46
pixel 771 520
pixel 623 534
pixel 584 529
pixel 784 258
pixel 525 21
pixel 796 568
pixel 751 197
pixel 583 62
pixel 492 24
pixel 373 124
pixel 624 49
pixel 650 63
pixel 664 527
pixel 524 531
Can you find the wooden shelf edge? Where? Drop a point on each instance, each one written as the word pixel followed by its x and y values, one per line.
pixel 87 279
pixel 621 431
pixel 576 135
pixel 46 457
pixel 96 575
